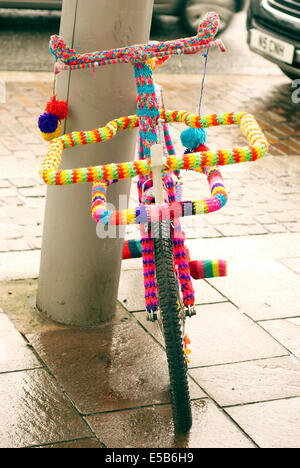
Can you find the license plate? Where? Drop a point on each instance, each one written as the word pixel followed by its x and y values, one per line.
pixel 271 46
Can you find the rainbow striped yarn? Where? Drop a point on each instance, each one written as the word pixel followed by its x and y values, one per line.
pixel 199 269
pixel 208 268
pixel 132 249
pixel 150 109
pixel 149 213
pixel 68 59
pixel 198 161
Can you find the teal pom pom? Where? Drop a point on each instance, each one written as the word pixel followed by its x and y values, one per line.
pixel 191 138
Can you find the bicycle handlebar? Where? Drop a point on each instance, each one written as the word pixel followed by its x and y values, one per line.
pixel 205 161
pixel 197 161
pixel 69 59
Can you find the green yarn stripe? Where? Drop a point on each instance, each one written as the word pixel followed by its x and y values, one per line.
pixel 208 269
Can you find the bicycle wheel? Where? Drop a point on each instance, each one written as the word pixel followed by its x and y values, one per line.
pixel 170 308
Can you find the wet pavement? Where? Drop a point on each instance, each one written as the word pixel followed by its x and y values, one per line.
pixel 107 386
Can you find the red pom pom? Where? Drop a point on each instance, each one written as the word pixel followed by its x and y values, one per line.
pixel 58 108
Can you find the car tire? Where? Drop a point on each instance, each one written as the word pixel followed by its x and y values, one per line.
pixel 290 75
pixel 193 10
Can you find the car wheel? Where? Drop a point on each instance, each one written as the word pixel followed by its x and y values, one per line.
pixel 193 10
pixel 290 75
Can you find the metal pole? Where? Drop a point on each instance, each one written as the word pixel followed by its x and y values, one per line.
pixel 79 273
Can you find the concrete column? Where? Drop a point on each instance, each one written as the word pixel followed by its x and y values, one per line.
pixel 79 273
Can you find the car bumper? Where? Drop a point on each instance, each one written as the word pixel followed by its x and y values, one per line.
pixel 284 29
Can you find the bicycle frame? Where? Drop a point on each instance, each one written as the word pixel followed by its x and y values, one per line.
pixel 168 269
pixel 144 58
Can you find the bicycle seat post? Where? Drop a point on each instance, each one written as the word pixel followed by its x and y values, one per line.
pixel 157 164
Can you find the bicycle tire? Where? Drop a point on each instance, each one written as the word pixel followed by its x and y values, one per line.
pixel 169 305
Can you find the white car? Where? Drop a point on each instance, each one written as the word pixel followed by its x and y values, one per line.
pixel 189 11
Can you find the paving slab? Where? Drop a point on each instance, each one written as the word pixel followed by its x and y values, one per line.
pixel 286 331
pixel 18 300
pixel 250 382
pixel 263 289
pixel 14 352
pixel 221 334
pixel 282 246
pixel 19 265
pixel 153 428
pixel 78 444
pixel 273 424
pixel 132 296
pixel 11 166
pixel 34 411
pixel 107 368
pixel 292 263
pixel 244 248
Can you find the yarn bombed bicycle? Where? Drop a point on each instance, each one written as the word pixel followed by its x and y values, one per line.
pixel 168 269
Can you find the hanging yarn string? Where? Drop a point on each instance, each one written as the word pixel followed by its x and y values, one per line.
pixel 194 139
pixel 203 81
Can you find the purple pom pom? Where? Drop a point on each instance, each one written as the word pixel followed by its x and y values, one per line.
pixel 48 123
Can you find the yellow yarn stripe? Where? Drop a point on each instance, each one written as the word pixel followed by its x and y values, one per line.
pixel 197 161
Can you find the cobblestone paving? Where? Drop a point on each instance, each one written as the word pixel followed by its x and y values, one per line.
pixel 21 149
